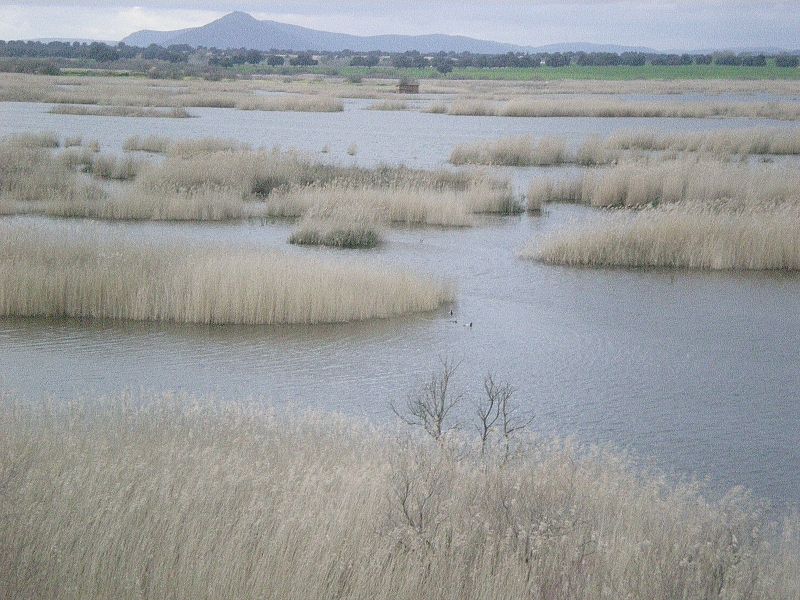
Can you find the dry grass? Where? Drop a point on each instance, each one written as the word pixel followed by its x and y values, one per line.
pixel 642 184
pixel 32 140
pixel 689 235
pixel 151 143
pixel 69 272
pixel 544 189
pixel 177 497
pixel 120 111
pixel 389 105
pixel 513 152
pixel 291 104
pixel 638 185
pixel 402 203
pixel 339 220
pixel 205 203
pixel 33 181
pixel 722 143
pixel 210 179
pixel 603 107
pixel 115 167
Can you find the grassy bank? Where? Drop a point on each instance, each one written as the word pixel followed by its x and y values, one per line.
pixel 72 272
pixel 176 497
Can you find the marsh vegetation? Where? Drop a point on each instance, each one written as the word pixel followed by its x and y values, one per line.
pixel 131 497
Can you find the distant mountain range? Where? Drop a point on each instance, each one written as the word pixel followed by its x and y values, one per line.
pixel 240 30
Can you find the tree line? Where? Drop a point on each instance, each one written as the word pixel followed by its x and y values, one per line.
pixel 443 61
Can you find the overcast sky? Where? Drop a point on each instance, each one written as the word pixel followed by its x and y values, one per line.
pixel 661 24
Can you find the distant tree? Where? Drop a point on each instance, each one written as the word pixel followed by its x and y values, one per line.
pixel 633 59
pixel 273 60
pixel 253 57
pixel 703 59
pixel 758 60
pixel 303 60
pixel 787 61
pixel 557 59
pixel 443 65
pixel 728 59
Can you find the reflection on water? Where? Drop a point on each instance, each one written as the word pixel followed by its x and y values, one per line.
pixel 699 371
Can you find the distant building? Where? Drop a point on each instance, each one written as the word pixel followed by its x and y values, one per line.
pixel 408 87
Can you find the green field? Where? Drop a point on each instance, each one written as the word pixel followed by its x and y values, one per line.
pixel 601 73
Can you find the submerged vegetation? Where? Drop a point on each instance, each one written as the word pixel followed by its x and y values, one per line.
pixel 152 497
pixel 69 272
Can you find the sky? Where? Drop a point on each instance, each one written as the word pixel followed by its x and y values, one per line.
pixel 660 24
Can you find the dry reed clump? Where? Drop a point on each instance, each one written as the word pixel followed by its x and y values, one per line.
pixel 173 496
pixel 114 167
pixel 472 108
pixel 688 235
pixel 389 104
pixel 543 190
pixel 601 108
pixel 401 203
pixel 638 185
pixel 121 111
pixel 203 203
pixel 436 108
pixel 633 185
pixel 523 151
pixel 513 152
pixel 71 142
pixel 207 145
pixel 32 140
pixel 291 104
pixel 67 272
pixel 150 143
pixel 338 221
pixel 727 142
pixel 32 181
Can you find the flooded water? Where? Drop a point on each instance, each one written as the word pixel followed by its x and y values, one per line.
pixel 697 372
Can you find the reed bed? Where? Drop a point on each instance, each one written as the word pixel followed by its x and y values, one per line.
pixel 634 185
pixel 121 111
pixel 513 152
pixel 406 203
pixel 69 272
pixel 32 140
pixel 524 151
pixel 601 108
pixel 684 235
pixel 172 496
pixel 727 142
pixel 389 105
pixel 115 167
pixel 204 203
pixel 291 104
pixel 338 220
pixel 32 181
pixel 544 189
pixel 150 143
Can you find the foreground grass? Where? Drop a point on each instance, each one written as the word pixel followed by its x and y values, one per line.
pixel 73 272
pixel 174 497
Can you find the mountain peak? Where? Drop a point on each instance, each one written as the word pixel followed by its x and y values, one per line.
pixel 239 17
